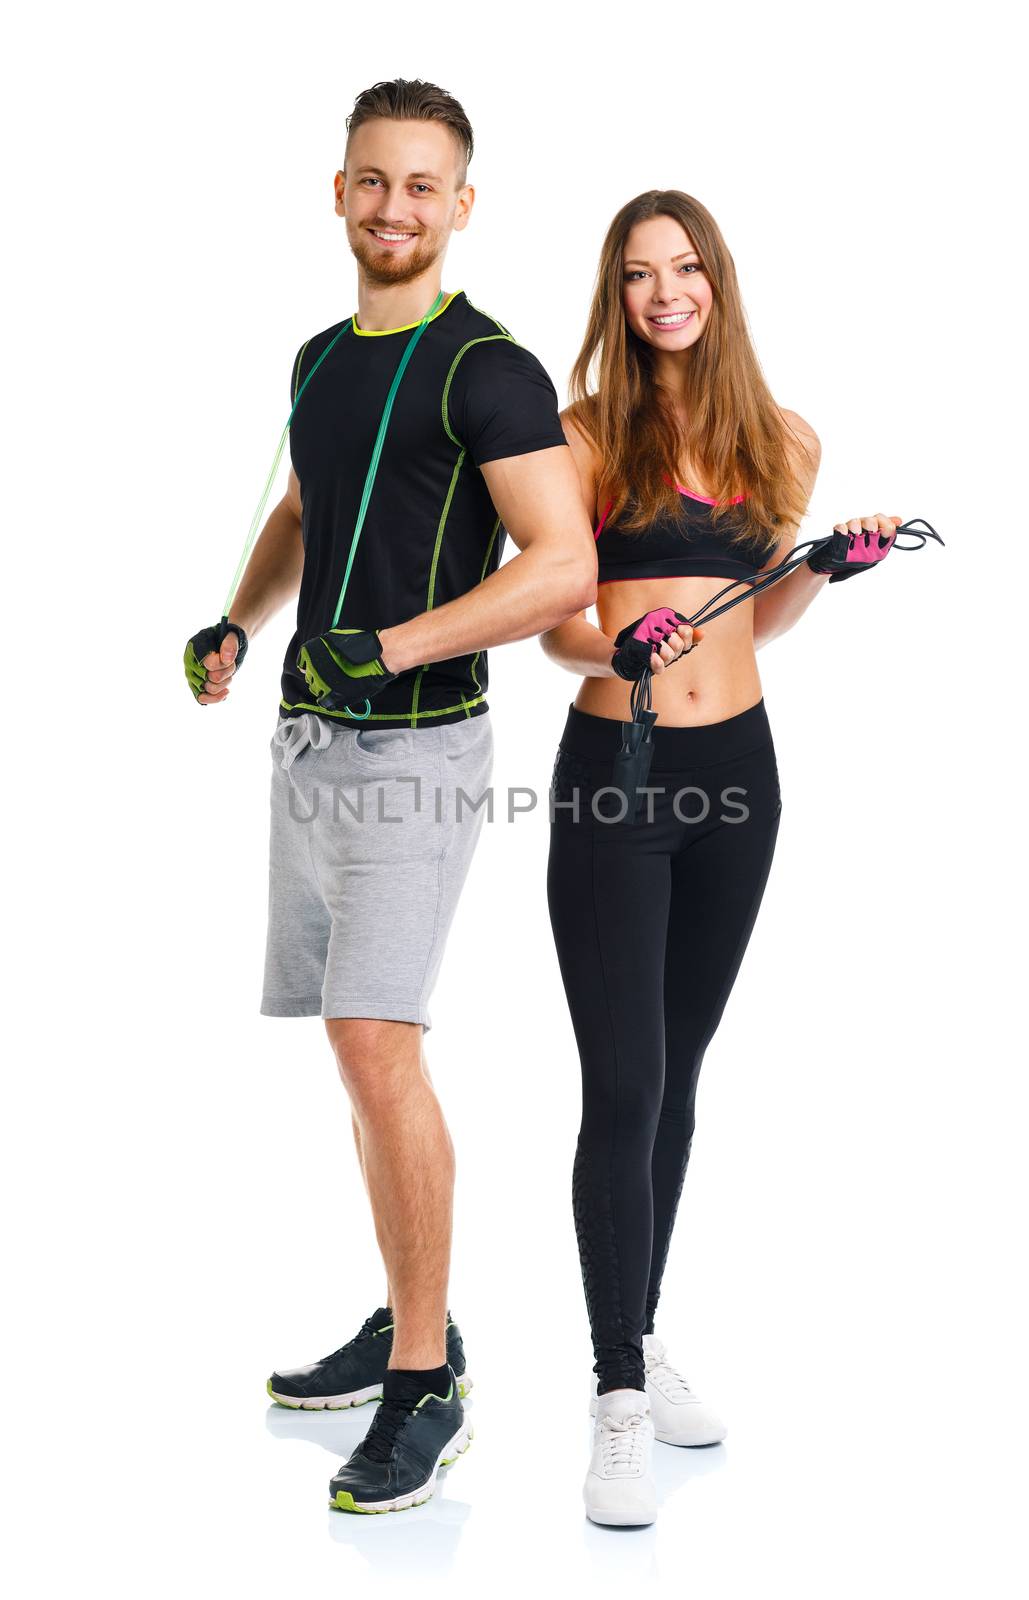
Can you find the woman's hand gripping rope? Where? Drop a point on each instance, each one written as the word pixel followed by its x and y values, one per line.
pixel 652 643
pixel 856 546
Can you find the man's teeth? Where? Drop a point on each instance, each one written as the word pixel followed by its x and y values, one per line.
pixel 380 235
pixel 674 321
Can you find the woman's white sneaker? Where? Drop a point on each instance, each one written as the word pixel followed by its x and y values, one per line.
pixel 619 1490
pixel 679 1416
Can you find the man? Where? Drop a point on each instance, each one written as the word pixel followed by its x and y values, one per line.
pixel 391 529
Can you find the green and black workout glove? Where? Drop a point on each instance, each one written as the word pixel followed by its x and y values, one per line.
pixel 202 644
pixel 344 668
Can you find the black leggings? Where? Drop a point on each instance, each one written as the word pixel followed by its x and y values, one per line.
pixel 650 922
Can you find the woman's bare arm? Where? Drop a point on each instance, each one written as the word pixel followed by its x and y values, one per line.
pixel 783 605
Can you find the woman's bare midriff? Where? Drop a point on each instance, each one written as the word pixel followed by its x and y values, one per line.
pixel 718 679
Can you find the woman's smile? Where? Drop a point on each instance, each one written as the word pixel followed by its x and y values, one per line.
pixel 671 320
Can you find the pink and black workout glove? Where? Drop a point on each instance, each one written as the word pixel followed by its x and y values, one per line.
pixel 848 553
pixel 202 644
pixel 636 643
pixel 344 668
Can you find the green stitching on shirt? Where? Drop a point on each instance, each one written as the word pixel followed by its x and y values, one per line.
pixel 416 695
pixel 431 593
pixel 383 716
pixel 485 339
pixel 482 575
pixel 494 321
pixel 430 597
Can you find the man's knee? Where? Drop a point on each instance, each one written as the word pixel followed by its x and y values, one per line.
pixel 377 1060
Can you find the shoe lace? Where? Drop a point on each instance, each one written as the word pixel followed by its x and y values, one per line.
pixel 662 1373
pixel 621 1440
pixel 367 1330
pixel 379 1442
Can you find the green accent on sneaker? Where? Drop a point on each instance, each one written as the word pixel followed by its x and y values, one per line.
pixel 344 1501
pixel 290 1405
pixel 464 1388
pixel 446 1398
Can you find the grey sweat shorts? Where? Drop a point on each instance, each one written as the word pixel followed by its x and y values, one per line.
pixel 370 846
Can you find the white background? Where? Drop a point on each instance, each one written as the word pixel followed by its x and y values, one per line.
pixel 182 1201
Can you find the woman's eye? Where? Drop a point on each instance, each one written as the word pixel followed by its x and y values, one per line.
pixel 636 272
pixel 689 266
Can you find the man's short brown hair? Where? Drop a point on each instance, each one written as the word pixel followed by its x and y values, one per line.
pixel 412 100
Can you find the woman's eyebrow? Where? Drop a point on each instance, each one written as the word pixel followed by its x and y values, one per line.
pixel 635 263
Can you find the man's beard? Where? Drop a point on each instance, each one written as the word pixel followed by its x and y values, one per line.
pixel 382 267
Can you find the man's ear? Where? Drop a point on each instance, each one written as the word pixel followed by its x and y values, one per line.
pixel 339 186
pixel 463 209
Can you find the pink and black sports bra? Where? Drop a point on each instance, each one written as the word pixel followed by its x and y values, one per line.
pixel 686 546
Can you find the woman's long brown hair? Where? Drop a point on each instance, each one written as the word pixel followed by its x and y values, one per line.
pixel 735 434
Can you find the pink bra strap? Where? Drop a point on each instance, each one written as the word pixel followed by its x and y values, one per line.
pixel 600 524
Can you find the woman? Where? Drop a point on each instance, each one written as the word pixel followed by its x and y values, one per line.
pixel 694 477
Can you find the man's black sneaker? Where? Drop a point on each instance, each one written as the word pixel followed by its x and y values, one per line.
pixel 395 1465
pixel 353 1374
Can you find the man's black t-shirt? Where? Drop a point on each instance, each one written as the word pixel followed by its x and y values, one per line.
pixel 470 394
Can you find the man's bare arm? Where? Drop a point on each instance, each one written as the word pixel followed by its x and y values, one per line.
pixel 272 575
pixel 554 575
pixel 577 644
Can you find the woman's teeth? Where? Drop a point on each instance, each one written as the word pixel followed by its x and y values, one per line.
pixel 675 321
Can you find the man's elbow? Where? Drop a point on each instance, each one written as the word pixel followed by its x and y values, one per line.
pixel 579 585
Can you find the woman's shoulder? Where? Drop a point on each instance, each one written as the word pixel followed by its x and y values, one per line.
pixel 802 432
pixel 575 420
pixel 803 447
